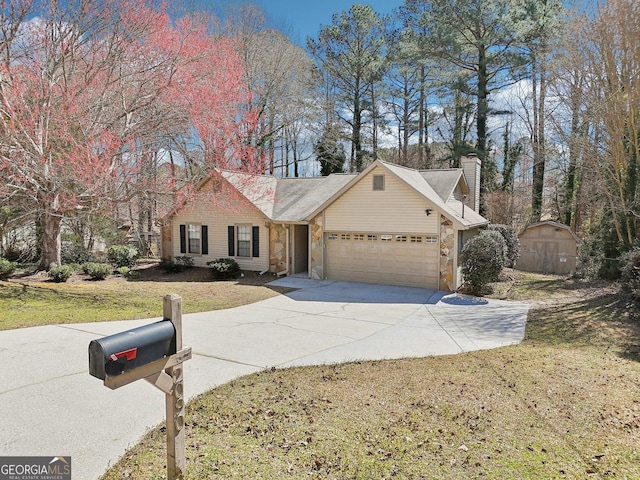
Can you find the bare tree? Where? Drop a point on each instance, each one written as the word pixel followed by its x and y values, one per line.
pixel 614 64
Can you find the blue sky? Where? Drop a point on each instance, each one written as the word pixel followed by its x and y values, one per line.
pixel 300 19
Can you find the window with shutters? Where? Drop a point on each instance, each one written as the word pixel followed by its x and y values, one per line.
pixel 194 239
pixel 244 241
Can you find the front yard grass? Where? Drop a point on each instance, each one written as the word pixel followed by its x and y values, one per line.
pixel 563 404
pixel 34 301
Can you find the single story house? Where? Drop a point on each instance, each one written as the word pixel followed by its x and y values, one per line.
pixel 548 247
pixel 387 224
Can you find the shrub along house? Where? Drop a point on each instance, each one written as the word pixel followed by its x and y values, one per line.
pixel 388 224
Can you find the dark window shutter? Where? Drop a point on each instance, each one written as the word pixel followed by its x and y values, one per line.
pixel 231 235
pixel 204 230
pixel 255 241
pixel 183 239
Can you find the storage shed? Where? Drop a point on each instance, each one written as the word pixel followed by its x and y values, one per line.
pixel 548 247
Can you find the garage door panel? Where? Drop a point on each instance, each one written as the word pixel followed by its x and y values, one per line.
pixel 393 263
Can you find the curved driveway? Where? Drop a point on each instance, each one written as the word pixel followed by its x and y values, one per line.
pixel 51 406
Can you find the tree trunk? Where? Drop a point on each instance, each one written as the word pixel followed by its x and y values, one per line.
pixel 374 119
pixel 406 120
pixel 481 125
pixel 422 141
pixel 356 138
pixel 51 240
pixel 570 186
pixel 539 148
pixel 296 161
pixel 458 137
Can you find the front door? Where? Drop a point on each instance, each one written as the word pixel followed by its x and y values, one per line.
pixel 300 249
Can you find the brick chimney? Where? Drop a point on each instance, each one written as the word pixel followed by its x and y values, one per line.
pixel 471 169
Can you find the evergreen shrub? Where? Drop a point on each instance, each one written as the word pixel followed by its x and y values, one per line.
pixel 6 268
pixel 60 274
pixel 483 258
pixel 122 255
pixel 224 268
pixel 511 240
pixel 97 271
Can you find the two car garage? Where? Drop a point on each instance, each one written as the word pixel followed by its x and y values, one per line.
pixel 386 258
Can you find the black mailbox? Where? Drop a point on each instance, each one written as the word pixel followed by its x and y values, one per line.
pixel 119 353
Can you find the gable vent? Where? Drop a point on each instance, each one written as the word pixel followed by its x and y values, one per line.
pixel 378 182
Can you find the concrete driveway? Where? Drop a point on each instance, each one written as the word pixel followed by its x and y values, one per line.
pixel 52 406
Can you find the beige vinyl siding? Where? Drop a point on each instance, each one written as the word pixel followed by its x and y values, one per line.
pixel 217 223
pixel 397 208
pixel 457 194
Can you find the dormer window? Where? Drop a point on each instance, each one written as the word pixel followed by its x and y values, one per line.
pixel 378 182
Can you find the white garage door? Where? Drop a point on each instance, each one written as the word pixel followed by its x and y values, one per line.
pixel 392 259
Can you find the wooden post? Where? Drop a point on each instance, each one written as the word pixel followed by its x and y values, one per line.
pixel 176 457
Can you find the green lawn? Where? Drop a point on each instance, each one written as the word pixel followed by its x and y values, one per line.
pixel 563 404
pixel 35 301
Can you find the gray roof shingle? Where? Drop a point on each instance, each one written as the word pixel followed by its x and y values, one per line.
pixel 293 200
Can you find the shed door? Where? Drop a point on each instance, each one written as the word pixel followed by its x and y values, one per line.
pixel 391 259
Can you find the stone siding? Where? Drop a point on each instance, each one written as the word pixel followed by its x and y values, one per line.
pixel 277 248
pixel 317 242
pixel 447 252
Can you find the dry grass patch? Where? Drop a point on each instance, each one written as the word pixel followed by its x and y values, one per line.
pixel 564 404
pixel 520 412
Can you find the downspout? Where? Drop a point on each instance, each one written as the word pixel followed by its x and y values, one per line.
pixel 440 273
pixel 324 244
pixel 309 247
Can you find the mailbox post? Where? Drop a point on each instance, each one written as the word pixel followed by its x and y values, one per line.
pixel 153 352
pixel 176 459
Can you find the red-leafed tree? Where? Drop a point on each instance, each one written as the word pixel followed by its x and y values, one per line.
pixel 89 87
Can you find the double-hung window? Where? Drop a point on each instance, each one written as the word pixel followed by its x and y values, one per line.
pixel 193 234
pixel 194 239
pixel 244 241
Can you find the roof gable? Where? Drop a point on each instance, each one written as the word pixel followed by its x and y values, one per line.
pixel 417 180
pixel 445 182
pixel 258 189
pixel 291 200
